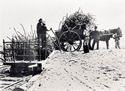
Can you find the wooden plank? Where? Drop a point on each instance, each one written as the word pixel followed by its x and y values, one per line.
pixel 22 42
pixel 11 63
pixel 22 61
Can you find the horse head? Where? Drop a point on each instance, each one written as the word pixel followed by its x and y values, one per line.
pixel 116 31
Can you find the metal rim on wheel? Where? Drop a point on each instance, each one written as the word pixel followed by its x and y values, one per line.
pixel 70 41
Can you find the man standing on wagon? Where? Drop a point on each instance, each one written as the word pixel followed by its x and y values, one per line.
pixel 41 33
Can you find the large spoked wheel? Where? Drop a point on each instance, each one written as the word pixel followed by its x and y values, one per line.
pixel 70 41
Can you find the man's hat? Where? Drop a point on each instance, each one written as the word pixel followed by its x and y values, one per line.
pixel 95 27
pixel 40 20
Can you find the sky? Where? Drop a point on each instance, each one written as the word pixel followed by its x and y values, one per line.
pixel 108 13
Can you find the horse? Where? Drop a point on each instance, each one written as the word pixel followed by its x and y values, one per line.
pixel 105 35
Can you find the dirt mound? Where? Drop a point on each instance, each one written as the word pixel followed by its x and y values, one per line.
pixel 102 70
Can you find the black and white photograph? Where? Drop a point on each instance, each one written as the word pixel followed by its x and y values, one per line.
pixel 62 45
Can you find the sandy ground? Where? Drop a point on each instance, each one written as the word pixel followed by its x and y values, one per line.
pixel 99 70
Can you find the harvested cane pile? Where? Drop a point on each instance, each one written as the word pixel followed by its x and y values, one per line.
pixel 74 20
pixel 22 45
pixel 25 45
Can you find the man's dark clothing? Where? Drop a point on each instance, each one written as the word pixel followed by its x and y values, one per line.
pixel 96 37
pixel 41 33
pixel 41 28
pixel 94 42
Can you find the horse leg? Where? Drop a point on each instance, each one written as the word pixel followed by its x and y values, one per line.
pixel 93 44
pixel 115 44
pixel 118 44
pixel 107 44
pixel 97 45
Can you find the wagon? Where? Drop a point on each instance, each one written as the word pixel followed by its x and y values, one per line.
pixel 71 39
pixel 23 57
pixel 70 33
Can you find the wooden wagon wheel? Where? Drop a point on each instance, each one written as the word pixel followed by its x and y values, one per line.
pixel 70 41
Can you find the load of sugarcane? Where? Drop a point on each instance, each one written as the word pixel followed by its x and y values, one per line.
pixel 71 21
pixel 26 46
pixel 22 43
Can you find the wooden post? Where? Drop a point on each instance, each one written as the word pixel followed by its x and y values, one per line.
pixel 30 54
pixel 13 54
pixel 4 50
pixel 29 51
pixel 24 51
